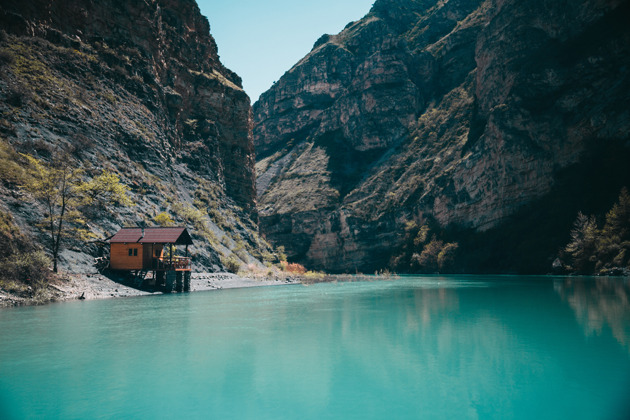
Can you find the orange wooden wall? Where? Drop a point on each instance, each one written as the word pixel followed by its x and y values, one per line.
pixel 120 259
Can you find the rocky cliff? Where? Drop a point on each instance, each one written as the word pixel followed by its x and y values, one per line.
pixel 493 121
pixel 137 88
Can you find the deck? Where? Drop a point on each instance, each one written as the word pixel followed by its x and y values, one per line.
pixel 171 264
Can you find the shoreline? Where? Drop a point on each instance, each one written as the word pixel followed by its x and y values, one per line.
pixel 98 287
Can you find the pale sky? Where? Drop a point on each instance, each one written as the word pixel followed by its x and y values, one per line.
pixel 261 39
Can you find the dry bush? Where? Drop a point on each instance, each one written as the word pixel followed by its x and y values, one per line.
pixel 293 268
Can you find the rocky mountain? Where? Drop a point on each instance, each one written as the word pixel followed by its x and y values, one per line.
pixel 136 88
pixel 493 122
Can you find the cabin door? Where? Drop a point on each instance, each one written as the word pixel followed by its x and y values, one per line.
pixel 147 256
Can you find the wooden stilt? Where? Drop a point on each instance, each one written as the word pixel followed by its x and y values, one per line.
pixel 187 276
pixel 179 284
pixel 170 281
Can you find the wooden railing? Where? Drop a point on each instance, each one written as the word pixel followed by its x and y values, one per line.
pixel 171 263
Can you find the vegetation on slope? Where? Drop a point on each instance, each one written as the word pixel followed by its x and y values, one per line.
pixel 605 250
pixel 24 267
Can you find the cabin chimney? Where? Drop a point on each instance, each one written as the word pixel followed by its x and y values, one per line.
pixel 142 224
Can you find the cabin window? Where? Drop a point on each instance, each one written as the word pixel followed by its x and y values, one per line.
pixel 157 252
pixel 133 251
pixel 130 252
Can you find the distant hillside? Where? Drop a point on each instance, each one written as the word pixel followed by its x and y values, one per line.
pixel 136 88
pixel 486 125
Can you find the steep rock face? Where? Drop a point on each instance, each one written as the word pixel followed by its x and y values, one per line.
pixel 174 60
pixel 137 88
pixel 462 112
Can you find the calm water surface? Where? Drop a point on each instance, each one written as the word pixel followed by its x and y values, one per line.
pixel 415 347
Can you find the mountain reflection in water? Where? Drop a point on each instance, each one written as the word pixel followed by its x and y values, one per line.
pixel 407 347
pixel 598 303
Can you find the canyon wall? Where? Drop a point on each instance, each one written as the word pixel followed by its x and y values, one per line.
pixel 496 121
pixel 136 88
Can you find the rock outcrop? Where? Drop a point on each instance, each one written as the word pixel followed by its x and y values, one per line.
pixel 497 120
pixel 137 88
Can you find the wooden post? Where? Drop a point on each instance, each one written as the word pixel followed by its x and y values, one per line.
pixel 170 258
pixel 179 284
pixel 160 279
pixel 187 275
pixel 170 281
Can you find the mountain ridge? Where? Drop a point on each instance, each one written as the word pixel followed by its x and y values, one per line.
pixel 460 114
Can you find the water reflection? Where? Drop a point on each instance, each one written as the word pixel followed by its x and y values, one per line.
pixel 424 347
pixel 599 302
pixel 429 304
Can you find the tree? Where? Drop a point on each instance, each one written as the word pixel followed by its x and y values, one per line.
pixel 613 248
pixel 428 258
pixel 446 257
pixel 65 196
pixel 424 249
pixel 581 248
pixel 56 184
pixel 604 250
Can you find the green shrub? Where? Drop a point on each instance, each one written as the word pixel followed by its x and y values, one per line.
pixel 231 264
pixel 280 252
pixel 31 268
pixel 217 217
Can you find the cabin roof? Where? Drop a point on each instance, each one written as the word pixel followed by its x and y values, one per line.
pixel 153 235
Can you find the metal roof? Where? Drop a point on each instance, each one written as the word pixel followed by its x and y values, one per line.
pixel 153 235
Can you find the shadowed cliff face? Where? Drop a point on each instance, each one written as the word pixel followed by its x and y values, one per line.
pixel 469 113
pixel 135 87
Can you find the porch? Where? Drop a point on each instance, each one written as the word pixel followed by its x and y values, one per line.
pixel 171 264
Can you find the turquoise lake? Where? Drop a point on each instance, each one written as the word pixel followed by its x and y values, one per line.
pixel 452 347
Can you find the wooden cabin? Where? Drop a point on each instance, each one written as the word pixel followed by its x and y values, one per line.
pixel 144 249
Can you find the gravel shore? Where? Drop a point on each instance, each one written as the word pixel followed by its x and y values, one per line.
pixel 97 286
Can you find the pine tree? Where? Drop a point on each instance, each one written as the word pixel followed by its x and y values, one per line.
pixel 614 245
pixel 581 248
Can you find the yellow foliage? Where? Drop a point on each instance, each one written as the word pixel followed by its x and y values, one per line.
pixel 164 219
pixel 105 189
